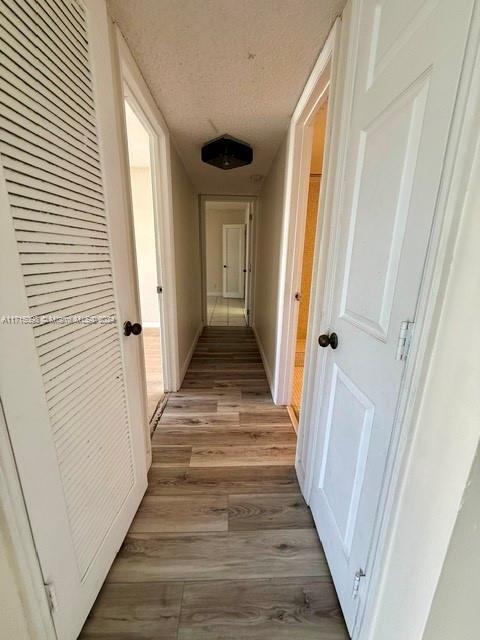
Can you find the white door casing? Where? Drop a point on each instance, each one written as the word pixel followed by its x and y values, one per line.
pixel 76 427
pixel 233 260
pixel 248 261
pixel 408 64
pixel 140 98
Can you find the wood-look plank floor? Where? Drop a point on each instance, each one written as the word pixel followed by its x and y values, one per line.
pixel 223 545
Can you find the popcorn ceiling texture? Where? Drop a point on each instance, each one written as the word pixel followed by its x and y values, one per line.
pixel 226 66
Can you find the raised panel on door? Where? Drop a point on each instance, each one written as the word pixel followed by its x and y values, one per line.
pixel 62 378
pixel 348 429
pixel 384 173
pixel 405 73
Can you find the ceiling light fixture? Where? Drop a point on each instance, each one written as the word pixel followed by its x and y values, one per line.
pixel 227 153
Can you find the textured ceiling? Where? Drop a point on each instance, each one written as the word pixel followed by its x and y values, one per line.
pixel 226 66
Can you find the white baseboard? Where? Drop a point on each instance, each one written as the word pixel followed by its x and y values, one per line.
pixel 189 355
pixel 293 418
pixel 301 478
pixel 151 325
pixel 266 366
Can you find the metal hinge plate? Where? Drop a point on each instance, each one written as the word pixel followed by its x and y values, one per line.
pixel 356 582
pixel 51 596
pixel 404 339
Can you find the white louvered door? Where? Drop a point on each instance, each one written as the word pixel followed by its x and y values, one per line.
pixel 75 424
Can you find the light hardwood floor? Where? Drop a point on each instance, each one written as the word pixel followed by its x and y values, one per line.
pixel 153 368
pixel 223 546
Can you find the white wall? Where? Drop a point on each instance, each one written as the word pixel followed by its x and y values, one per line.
pixel 145 244
pixel 269 230
pixel 186 229
pixel 456 607
pixel 214 221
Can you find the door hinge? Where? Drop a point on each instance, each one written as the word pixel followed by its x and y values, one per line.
pixel 248 312
pixel 356 582
pixel 159 289
pixel 51 596
pixel 250 217
pixel 404 339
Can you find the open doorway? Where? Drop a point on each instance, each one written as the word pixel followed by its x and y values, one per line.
pixel 146 251
pixel 309 244
pixel 226 231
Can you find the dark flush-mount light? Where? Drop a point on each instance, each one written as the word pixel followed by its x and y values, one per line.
pixel 227 153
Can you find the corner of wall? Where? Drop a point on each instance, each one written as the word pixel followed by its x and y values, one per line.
pixel 189 355
pixel 266 364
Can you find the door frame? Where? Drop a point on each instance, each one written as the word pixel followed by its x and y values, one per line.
pixel 321 85
pixel 243 227
pixel 139 98
pixel 251 204
pixel 380 591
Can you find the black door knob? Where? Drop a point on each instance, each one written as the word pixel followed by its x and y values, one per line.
pixel 129 328
pixel 326 340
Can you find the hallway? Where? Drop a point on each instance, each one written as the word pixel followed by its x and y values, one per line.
pixel 225 312
pixel 223 545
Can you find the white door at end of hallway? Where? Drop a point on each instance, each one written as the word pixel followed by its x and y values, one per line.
pixel 233 260
pixel 407 69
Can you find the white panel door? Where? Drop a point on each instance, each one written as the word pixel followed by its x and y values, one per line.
pixel 233 260
pixel 75 426
pixel 408 65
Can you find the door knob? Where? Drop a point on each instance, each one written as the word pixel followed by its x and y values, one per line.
pixel 326 340
pixel 129 328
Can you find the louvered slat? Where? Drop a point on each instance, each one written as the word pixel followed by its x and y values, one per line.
pixel 63 353
pixel 66 370
pixel 41 223
pixel 16 160
pixel 29 177
pixel 65 402
pixel 24 68
pixel 55 236
pixel 15 90
pixel 76 411
pixel 51 163
pixel 60 384
pixel 53 157
pixel 47 331
pixel 35 59
pixel 44 49
pixel 69 260
pixel 51 130
pixel 68 285
pixel 51 148
pixel 55 40
pixel 45 279
pixel 82 373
